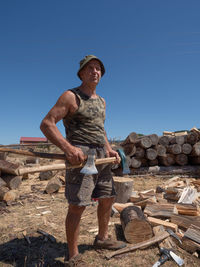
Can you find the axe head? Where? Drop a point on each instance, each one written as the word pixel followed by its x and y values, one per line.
pixel 124 163
pixel 89 167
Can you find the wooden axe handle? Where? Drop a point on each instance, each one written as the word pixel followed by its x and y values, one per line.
pixel 143 244
pixel 61 166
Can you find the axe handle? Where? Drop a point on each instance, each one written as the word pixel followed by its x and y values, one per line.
pixel 61 166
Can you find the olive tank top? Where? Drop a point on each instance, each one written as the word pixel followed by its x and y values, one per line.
pixel 86 125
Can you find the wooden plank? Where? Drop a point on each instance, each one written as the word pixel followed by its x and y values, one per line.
pixel 155 222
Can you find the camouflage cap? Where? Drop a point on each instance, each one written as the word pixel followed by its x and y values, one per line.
pixel 86 59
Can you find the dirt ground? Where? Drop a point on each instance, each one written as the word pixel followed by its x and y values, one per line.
pixel 36 210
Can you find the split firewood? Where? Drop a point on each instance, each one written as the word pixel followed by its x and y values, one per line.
pixel 188 195
pixel 155 222
pixel 184 221
pixel 146 201
pixel 12 181
pixel 11 196
pixel 135 225
pixel 187 209
pixel 3 191
pixel 53 185
pixel 193 233
pixel 120 206
pixel 9 167
pixel 167 242
pixel 160 210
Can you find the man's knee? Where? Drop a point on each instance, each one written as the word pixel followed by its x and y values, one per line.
pixel 75 210
pixel 106 202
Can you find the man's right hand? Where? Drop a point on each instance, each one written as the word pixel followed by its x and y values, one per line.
pixel 75 155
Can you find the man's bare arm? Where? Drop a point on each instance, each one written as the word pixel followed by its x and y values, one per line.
pixel 65 105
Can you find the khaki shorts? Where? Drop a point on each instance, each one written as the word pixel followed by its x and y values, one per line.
pixel 81 188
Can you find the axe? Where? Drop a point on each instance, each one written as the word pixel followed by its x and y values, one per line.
pixel 88 167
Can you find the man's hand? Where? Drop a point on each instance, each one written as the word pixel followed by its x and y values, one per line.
pixel 113 153
pixel 75 155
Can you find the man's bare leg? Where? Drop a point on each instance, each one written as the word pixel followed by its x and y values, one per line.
pixel 72 224
pixel 103 214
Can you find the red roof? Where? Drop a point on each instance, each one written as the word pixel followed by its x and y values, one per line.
pixel 33 139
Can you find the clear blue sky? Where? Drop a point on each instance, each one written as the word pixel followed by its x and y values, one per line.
pixel 150 49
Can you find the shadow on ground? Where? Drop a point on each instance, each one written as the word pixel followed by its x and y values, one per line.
pixel 39 253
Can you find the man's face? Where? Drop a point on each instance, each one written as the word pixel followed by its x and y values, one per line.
pixel 91 73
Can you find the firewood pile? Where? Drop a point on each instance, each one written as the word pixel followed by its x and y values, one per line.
pixel 175 206
pixel 170 149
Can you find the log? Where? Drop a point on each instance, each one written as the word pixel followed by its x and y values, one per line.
pixel 179 139
pixel 151 154
pixel 135 225
pixel 181 159
pixel 188 196
pixel 155 222
pixel 129 149
pixel 123 187
pixel 186 148
pixel 161 150
pixel 160 210
pixel 174 149
pixel 164 140
pixel 167 160
pixel 53 185
pixel 192 138
pixel 3 155
pixel 154 139
pixel 9 167
pixel 135 163
pixel 196 149
pixel 140 152
pixel 184 221
pixel 131 138
pixel 144 142
pixel 12 181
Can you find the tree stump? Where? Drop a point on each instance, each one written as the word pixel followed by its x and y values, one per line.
pixel 135 225
pixel 124 188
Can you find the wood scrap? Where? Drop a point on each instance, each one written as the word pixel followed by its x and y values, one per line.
pixel 155 222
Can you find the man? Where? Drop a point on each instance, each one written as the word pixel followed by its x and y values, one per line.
pixel 83 115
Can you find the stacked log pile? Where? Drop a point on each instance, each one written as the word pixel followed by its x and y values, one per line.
pixel 172 149
pixel 174 206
